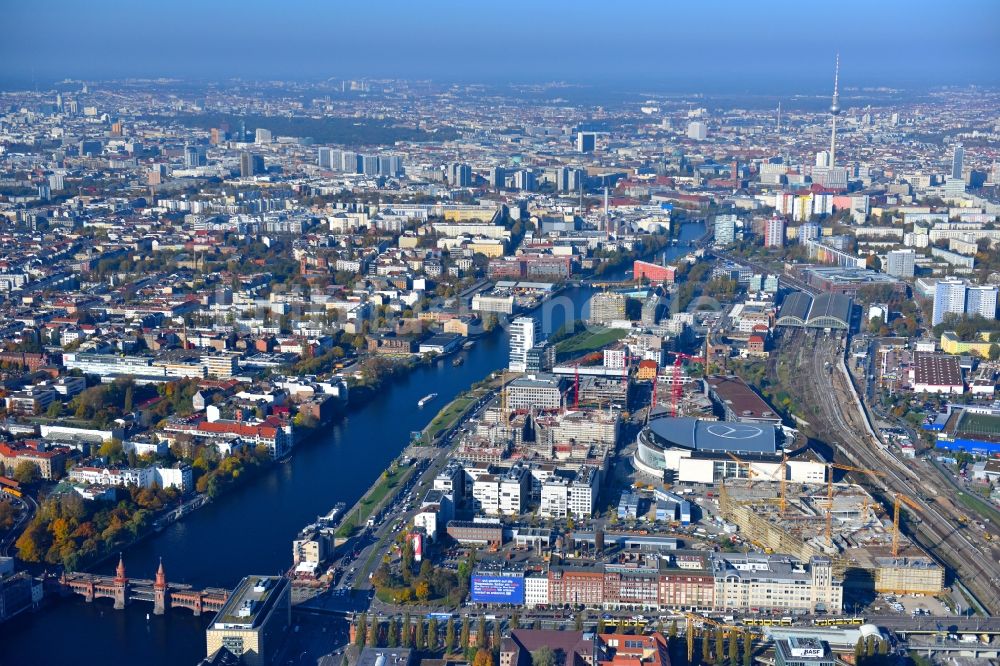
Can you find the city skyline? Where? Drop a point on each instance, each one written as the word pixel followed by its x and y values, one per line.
pixel 769 48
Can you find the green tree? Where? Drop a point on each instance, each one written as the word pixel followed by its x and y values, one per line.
pixel 373 634
pixel 733 656
pixel 464 637
pixel 419 634
pixel 449 636
pixel 26 472
pixel 392 635
pixel 706 652
pixel 578 623
pixel 515 621
pixel 432 634
pixel 481 632
pixel 407 640
pixel 719 647
pixel 747 648
pixel 495 641
pixel 994 352
pixel 361 630
pixel 543 656
pixel 127 402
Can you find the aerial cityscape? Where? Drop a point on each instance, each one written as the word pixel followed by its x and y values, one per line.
pixel 638 335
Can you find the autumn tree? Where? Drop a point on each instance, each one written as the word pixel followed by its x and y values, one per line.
pixel 483 658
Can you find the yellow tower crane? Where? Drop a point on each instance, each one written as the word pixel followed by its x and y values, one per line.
pixel 899 499
pixel 750 471
pixel 695 617
pixel 829 493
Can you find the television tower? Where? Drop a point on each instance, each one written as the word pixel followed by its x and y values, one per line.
pixel 834 112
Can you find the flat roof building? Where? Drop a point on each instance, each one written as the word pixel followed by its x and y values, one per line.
pixel 936 373
pixel 251 623
pixel 738 401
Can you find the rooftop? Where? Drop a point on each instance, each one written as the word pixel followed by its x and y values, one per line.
pixel 250 602
pixel 714 436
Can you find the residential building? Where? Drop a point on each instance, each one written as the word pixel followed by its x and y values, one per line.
pixel 900 263
pixel 524 334
pixel 486 495
pixel 697 130
pixel 775 582
pixel 949 298
pixel 515 491
pixel 607 307
pixel 774 232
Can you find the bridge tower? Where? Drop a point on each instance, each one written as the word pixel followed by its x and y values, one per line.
pixel 160 591
pixel 120 585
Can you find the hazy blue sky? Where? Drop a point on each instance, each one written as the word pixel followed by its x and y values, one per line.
pixel 705 44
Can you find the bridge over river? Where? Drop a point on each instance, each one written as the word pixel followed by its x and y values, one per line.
pixel 162 594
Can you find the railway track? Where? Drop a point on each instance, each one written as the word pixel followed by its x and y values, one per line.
pixel 847 430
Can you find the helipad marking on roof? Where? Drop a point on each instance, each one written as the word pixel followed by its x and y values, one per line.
pixel 734 430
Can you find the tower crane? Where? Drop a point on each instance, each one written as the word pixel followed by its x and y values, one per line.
pixel 829 493
pixel 898 499
pixel 750 471
pixel 676 387
pixel 695 617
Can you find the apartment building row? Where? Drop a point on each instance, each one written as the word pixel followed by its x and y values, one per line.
pixel 558 493
pixel 683 580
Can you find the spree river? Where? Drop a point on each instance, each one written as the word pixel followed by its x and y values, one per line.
pixel 249 530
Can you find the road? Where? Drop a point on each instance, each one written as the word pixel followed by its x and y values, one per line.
pixel 374 542
pixel 937 529
pixel 26 509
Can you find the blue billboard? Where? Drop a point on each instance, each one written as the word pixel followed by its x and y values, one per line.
pixel 497 589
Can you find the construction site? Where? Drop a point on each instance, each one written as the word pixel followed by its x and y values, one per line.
pixel 838 520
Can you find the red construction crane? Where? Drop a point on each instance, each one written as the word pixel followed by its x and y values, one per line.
pixel 676 387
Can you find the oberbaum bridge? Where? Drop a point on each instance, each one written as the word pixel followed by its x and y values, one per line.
pixel 163 594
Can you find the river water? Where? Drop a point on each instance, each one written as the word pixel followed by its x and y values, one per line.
pixel 249 530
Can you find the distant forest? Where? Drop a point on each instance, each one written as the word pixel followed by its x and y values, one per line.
pixel 346 131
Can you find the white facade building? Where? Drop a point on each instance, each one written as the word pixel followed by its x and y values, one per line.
pixel 523 336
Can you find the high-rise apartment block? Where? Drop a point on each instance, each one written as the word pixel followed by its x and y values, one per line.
pixel 524 334
pixel 900 263
pixel 957 161
pixel 953 296
pixel 697 130
pixel 774 232
pixel 460 175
